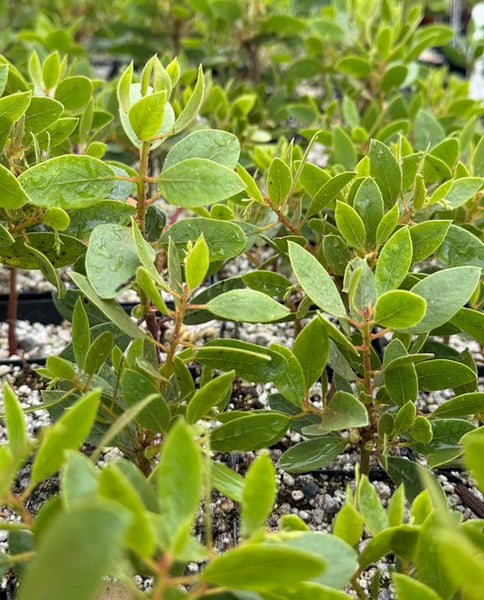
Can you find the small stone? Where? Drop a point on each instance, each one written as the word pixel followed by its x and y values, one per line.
pixel 227 506
pixel 288 480
pixel 297 495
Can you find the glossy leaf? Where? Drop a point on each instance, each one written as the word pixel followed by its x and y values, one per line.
pixel 136 386
pixel 146 115
pixel 368 203
pixel 348 524
pixel 399 309
pixel 471 403
pixel 12 194
pixel 111 250
pixel 68 182
pixel 439 374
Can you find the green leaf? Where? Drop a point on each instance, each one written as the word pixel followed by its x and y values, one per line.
pixel 473 443
pixel 85 220
pixel 427 237
pixel 370 507
pixel 224 239
pixel 192 107
pixel 41 113
pixel 409 473
pixel 114 485
pixel 15 422
pixel 339 556
pixel 146 115
pixel 79 479
pixel 12 195
pixel 387 225
pixel 179 479
pixel 461 248
pixel 344 150
pixel 197 262
pixel 74 92
pixel 385 170
pixel 440 374
pixel 470 321
pixel 6 239
pixel 12 107
pixel 251 432
pixel 400 540
pixel 291 383
pixel 421 430
pixel 343 411
pixel 315 281
pixel 93 534
pixel 247 305
pixel 471 403
pixel 258 496
pixel 398 309
pixel 262 567
pixel 428 132
pixel 110 308
pixel 462 190
pixel 312 454
pixel 348 525
pixel 145 282
pixel 305 591
pixel 396 507
pixel 68 182
pixel 328 192
pixel 355 66
pixel 226 481
pixel 111 250
pixel 251 362
pixel 218 146
pixel 350 224
pixel 311 348
pixel 67 433
pixel 208 396
pixel 195 182
pixel 59 367
pixel 394 261
pixel 268 282
pixel 279 181
pixel 368 203
pixel 445 293
pixel 98 352
pixel 393 77
pixel 124 88
pixel 402 384
pixel 136 386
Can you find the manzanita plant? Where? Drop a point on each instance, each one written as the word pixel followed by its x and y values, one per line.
pixel 374 262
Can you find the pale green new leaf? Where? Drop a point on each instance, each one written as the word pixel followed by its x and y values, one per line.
pixel 259 494
pixel 12 195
